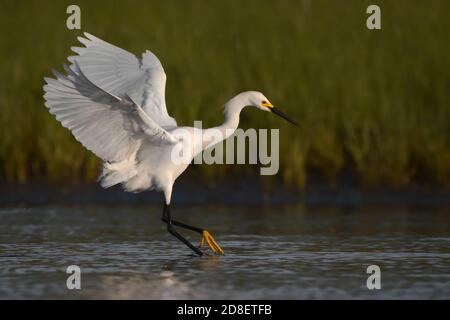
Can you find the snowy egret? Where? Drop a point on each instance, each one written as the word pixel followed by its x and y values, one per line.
pixel 114 105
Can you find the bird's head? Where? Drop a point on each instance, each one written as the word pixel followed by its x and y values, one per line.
pixel 258 100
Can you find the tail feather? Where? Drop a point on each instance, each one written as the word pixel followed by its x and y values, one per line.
pixel 117 172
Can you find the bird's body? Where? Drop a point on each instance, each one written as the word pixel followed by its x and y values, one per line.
pixel 114 104
pixel 152 167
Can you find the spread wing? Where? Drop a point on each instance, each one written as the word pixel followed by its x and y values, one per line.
pixel 111 127
pixel 121 74
pixel 110 100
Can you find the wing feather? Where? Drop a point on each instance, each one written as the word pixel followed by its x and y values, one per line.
pixel 107 125
pixel 121 74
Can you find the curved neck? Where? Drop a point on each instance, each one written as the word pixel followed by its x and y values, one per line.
pixel 232 109
pixel 231 113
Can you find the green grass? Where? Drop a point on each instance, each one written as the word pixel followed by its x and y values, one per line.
pixel 371 102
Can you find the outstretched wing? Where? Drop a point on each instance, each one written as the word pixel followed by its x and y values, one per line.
pixel 121 74
pixel 111 127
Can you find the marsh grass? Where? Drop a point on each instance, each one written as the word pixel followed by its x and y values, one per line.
pixel 372 102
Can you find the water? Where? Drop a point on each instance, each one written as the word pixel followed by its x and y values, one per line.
pixel 292 252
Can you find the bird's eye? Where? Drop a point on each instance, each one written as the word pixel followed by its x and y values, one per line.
pixel 264 102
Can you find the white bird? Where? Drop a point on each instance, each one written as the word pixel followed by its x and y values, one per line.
pixel 114 105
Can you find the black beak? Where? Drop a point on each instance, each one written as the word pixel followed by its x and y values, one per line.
pixel 282 115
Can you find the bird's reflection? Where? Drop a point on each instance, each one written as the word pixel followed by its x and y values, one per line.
pixel 170 283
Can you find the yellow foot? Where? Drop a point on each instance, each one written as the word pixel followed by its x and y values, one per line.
pixel 211 242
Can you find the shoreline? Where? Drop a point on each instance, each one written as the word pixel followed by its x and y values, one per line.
pixel 247 191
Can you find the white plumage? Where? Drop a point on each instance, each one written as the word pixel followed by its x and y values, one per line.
pixel 114 104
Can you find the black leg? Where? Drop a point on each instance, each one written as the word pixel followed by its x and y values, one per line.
pixel 179 224
pixel 166 217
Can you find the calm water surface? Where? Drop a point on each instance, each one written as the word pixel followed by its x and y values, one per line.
pixel 274 252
